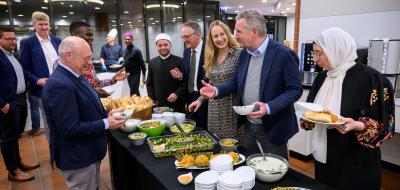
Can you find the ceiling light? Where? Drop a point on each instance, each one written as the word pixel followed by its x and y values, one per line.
pixel 97 8
pixel 283 12
pixel 288 8
pixel 3 3
pixel 89 1
pixel 240 6
pixel 64 16
pixel 153 23
pixel 294 3
pixel 129 22
pixel 121 24
pixel 208 16
pixel 230 18
pixel 114 25
pixel 62 20
pixel 130 25
pixel 71 13
pixel 178 17
pixel 126 12
pixel 44 7
pixel 17 1
pixel 173 20
pixel 139 20
pixel 156 21
pixel 164 5
pixel 20 15
pixel 151 18
pixel 236 11
pixel 71 6
pixel 264 1
pixel 143 25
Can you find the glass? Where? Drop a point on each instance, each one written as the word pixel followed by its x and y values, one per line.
pixel 22 15
pixel 211 15
pixel 10 39
pixel 173 20
pixel 317 53
pixel 194 12
pixel 188 36
pixel 131 20
pixel 153 25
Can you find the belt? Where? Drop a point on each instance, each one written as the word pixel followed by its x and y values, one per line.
pixel 21 95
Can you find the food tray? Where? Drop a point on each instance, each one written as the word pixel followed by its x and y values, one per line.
pixel 181 143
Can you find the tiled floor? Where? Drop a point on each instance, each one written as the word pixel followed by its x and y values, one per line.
pixel 36 149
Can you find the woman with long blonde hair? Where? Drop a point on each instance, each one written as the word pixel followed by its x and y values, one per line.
pixel 220 63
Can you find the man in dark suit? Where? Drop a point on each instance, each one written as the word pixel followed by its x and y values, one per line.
pixel 76 117
pixel 134 64
pixel 268 77
pixel 193 72
pixel 13 112
pixel 38 54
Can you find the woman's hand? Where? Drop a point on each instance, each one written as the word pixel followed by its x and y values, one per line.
pixel 306 125
pixel 194 106
pixel 350 125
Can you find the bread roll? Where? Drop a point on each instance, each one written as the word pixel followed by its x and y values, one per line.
pixel 324 116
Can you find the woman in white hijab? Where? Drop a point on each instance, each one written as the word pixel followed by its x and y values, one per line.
pixel 348 156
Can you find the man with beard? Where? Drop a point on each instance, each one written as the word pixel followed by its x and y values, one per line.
pixel 134 63
pixel 161 85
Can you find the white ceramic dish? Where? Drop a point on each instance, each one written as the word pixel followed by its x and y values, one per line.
pixel 271 170
pixel 130 125
pixel 241 160
pixel 243 110
pixel 307 106
pixel 301 115
pixel 126 114
pixel 187 182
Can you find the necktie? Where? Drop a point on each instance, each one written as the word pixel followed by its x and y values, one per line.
pixel 91 89
pixel 192 71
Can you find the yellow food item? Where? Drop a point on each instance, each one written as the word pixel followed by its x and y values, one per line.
pixel 228 142
pixel 323 116
pixel 159 147
pixel 128 102
pixel 202 160
pixel 185 179
pixel 187 160
pixel 235 157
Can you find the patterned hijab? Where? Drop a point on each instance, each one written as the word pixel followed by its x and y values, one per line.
pixel 340 49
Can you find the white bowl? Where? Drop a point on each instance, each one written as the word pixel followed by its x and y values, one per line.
pixel 156 116
pixel 186 182
pixel 179 117
pixel 130 125
pixel 169 117
pixel 137 141
pixel 273 171
pixel 126 114
pixel 243 110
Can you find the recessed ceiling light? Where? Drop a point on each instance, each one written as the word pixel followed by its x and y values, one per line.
pixel 208 16
pixel 283 12
pixel 151 18
pixel 139 20
pixel 113 25
pixel 20 15
pixel 96 8
pixel 240 6
pixel 288 8
pixel 62 3
pixel 178 17
pixel 156 21
pixel 112 20
pixel 153 23
pixel 45 7
pixel 126 12
pixel 230 18
pixel 71 13
pixel 264 1
pixel 121 24
pixel 17 1
pixel 129 22
pixel 143 25
pixel 64 16
pixel 71 6
pixel 236 11
pixel 294 3
pixel 130 25
pixel 173 20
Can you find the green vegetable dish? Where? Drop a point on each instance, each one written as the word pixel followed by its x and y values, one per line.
pixel 137 136
pixel 179 144
pixel 187 127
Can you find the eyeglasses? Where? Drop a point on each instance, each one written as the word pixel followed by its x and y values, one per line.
pixel 317 53
pixel 188 36
pixel 10 39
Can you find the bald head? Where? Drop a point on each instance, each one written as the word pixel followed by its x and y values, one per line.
pixel 76 54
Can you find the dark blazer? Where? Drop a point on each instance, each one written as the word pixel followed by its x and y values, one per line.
pixel 280 87
pixel 74 116
pixel 34 61
pixel 8 80
pixel 186 67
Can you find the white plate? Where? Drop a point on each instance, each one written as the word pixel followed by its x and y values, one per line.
pixel 308 106
pixel 109 89
pixel 241 160
pixel 301 115
pixel 115 66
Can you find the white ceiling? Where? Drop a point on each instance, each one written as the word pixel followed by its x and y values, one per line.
pixel 267 7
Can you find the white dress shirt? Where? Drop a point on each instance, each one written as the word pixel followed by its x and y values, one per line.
pixel 198 53
pixel 49 52
pixel 21 87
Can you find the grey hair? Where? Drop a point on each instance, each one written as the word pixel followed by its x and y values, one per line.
pixel 193 25
pixel 254 19
pixel 67 45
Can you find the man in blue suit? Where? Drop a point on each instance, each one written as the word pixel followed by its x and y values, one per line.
pixel 76 117
pixel 193 72
pixel 268 77
pixel 13 107
pixel 38 54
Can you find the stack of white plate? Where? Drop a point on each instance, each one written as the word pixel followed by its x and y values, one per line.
pixel 221 163
pixel 248 176
pixel 229 181
pixel 206 180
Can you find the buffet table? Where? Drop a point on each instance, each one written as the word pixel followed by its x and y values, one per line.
pixel 135 167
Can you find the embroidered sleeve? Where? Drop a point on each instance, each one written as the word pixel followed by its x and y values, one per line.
pixel 374 132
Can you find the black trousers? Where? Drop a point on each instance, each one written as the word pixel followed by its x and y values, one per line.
pixel 12 125
pixel 202 113
pixel 134 81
